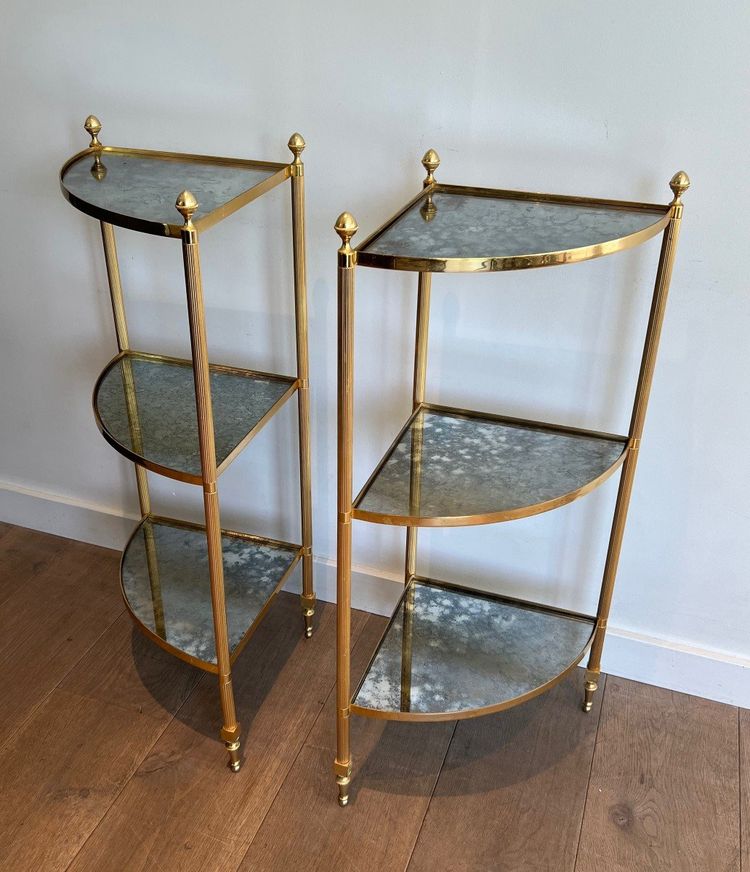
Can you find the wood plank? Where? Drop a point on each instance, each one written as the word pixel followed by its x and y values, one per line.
pixel 513 787
pixel 744 736
pixel 664 790
pixel 25 554
pixel 126 669
pixel 395 770
pixel 50 622
pixel 184 809
pixel 62 771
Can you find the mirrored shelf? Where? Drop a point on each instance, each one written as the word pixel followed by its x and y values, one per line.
pixel 448 228
pixel 165 582
pixel 145 407
pixel 449 652
pixel 449 468
pixel 137 189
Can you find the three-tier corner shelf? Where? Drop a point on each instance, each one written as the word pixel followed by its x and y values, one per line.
pixel 451 652
pixel 199 591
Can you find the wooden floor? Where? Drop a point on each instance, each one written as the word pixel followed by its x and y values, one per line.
pixel 109 758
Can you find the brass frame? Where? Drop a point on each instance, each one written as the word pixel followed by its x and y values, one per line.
pixel 188 231
pixel 667 220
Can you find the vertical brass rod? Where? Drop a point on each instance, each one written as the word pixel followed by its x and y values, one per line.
pixel 115 285
pixel 346 227
pixel 230 733
pixel 407 632
pixel 418 393
pixel 679 185
pixel 123 344
pixel 296 145
pixel 430 162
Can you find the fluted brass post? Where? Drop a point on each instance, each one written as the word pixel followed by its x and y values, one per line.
pixel 679 184
pixel 296 146
pixel 346 227
pixel 187 205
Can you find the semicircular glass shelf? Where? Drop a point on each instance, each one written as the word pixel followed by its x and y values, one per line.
pixel 165 582
pixel 456 229
pixel 145 408
pixel 450 653
pixel 137 189
pixel 453 468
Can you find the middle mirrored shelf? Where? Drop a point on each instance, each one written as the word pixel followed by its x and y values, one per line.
pixel 145 407
pixel 451 468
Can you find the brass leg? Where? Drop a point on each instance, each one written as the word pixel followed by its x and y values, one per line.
pixel 296 145
pixel 230 732
pixel 346 227
pixel 679 185
pixel 589 688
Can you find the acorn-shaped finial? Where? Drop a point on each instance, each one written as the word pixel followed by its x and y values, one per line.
pixel 346 227
pixel 430 161
pixel 296 145
pixel 186 204
pixel 679 183
pixel 92 125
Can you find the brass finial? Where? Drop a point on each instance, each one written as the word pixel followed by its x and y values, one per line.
pixel 296 146
pixel 186 204
pixel 346 227
pixel 92 125
pixel 679 183
pixel 430 161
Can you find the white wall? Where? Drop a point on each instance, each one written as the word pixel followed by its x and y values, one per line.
pixel 597 99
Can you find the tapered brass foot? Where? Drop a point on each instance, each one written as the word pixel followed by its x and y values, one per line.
pixel 234 755
pixel 308 610
pixel 343 782
pixel 589 688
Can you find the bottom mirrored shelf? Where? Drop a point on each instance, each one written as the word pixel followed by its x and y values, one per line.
pixel 165 583
pixel 450 653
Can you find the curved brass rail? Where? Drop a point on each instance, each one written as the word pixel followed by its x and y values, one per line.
pixel 489 263
pixel 178 652
pixel 156 228
pixel 166 471
pixel 428 717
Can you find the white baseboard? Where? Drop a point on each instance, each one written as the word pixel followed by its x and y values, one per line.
pixel 666 663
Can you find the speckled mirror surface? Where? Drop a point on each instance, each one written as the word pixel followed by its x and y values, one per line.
pixel 148 406
pixel 469 226
pixel 450 651
pixel 146 187
pixel 166 583
pixel 449 466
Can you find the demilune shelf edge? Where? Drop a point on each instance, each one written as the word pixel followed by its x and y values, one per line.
pixel 451 652
pixel 164 580
pixel 452 467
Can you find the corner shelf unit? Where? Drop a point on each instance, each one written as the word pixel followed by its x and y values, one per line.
pixel 451 652
pixel 198 591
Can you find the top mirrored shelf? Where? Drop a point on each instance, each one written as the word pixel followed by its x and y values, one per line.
pixel 457 229
pixel 138 189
